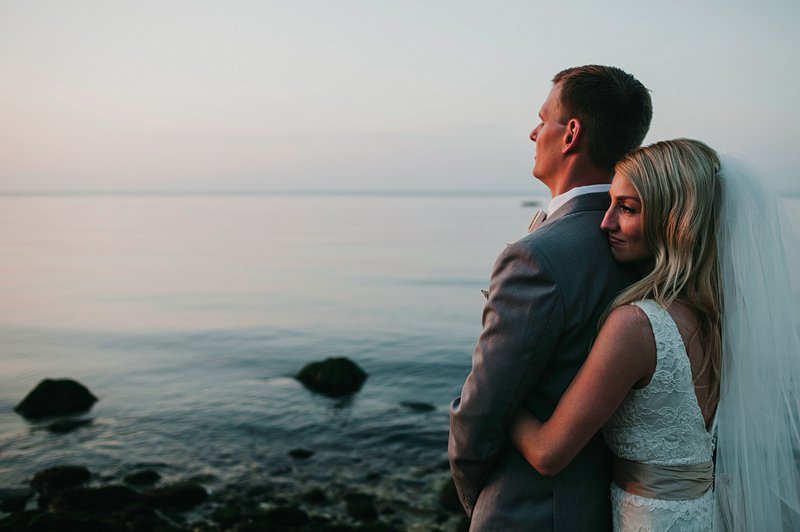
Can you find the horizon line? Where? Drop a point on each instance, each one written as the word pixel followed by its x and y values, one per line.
pixel 267 192
pixel 300 192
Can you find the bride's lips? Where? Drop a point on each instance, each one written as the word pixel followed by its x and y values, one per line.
pixel 614 241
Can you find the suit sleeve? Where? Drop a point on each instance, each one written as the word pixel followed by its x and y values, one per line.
pixel 522 322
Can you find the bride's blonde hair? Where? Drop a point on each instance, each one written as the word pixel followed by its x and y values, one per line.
pixel 678 183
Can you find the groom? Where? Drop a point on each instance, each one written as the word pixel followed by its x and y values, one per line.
pixel 547 293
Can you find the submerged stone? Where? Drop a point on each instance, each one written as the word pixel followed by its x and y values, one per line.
pixel 361 507
pixel 142 478
pixel 301 454
pixel 55 479
pixel 334 377
pixel 56 398
pixel 315 496
pixel 101 501
pixel 178 496
pixel 61 522
pixel 288 516
pixel 14 500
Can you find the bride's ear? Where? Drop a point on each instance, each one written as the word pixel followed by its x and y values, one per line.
pixel 572 136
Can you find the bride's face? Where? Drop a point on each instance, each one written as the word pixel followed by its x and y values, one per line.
pixel 623 222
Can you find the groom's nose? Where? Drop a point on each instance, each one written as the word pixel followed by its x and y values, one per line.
pixel 535 133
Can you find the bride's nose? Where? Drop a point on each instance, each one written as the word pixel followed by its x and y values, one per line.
pixel 609 222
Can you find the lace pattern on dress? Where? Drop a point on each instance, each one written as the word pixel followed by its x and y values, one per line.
pixel 661 424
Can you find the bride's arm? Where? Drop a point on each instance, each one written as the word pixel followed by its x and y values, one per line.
pixel 623 355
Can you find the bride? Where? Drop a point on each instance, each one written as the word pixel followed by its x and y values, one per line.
pixel 694 376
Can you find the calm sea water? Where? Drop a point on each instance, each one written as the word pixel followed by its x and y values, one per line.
pixel 188 315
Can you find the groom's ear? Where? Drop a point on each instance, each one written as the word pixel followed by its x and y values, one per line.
pixel 572 136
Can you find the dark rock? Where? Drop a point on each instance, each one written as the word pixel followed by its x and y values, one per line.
pixel 334 527
pixel 315 496
pixel 142 517
pixel 74 521
pixel 254 526
pixel 301 454
pixel 448 498
pixel 418 407
pixel 361 507
pixel 14 500
pixel 288 516
pixel 51 481
pixel 261 525
pixel 377 527
pixel 18 521
pixel 102 501
pixel 142 478
pixel 226 515
pixel 14 504
pixel 67 425
pixel 334 377
pixel 56 398
pixel 177 496
pixel 319 523
pixel 373 476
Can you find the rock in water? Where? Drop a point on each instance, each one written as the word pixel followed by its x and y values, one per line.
pixel 14 500
pixel 301 454
pixel 333 376
pixel 142 478
pixel 286 516
pixel 55 479
pixel 181 496
pixel 56 398
pixel 98 501
pixel 361 507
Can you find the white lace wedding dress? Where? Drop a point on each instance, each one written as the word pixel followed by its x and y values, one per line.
pixel 661 425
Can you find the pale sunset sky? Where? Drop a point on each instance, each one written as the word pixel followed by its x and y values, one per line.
pixel 334 95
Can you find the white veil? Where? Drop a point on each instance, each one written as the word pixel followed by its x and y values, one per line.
pixel 757 476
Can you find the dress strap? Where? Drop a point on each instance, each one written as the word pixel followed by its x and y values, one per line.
pixel 662 323
pixel 655 315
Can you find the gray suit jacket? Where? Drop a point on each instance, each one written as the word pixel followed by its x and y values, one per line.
pixel 547 293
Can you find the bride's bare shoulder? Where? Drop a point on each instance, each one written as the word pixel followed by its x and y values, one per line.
pixel 629 321
pixel 627 338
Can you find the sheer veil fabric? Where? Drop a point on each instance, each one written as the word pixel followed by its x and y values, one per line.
pixel 757 481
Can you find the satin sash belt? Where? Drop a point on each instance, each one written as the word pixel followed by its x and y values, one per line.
pixel 673 483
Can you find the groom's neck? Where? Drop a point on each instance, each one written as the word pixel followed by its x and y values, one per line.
pixel 579 176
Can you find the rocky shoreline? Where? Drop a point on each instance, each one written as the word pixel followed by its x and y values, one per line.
pixel 72 498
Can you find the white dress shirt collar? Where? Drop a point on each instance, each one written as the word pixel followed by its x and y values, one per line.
pixel 559 201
